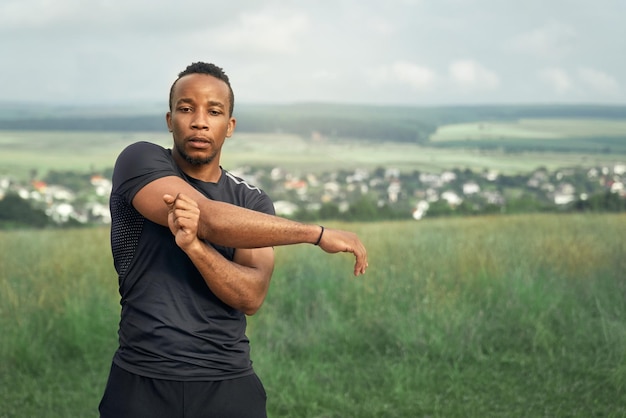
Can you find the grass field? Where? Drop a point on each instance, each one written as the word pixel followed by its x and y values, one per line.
pixel 24 151
pixel 467 317
pixel 578 136
pixel 547 129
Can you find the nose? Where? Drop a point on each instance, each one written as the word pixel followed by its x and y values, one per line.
pixel 200 121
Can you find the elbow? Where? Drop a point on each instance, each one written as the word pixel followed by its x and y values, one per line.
pixel 254 300
pixel 251 308
pixel 250 312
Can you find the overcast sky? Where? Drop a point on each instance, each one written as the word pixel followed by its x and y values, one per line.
pixel 424 52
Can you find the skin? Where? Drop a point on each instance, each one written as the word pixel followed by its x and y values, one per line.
pixel 200 123
pixel 243 283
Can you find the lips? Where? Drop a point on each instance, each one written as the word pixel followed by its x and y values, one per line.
pixel 199 142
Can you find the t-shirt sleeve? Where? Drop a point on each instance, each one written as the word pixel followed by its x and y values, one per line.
pixel 139 164
pixel 264 204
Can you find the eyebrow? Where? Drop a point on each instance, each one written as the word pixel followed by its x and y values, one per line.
pixel 191 101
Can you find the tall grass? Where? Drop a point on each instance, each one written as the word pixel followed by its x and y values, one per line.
pixel 473 317
pixel 58 313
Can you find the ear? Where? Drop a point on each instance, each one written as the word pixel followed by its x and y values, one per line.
pixel 231 127
pixel 168 120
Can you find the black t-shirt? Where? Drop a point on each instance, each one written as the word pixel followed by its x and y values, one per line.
pixel 172 326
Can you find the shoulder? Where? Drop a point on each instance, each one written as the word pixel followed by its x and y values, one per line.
pixel 142 153
pixel 238 182
pixel 141 148
pixel 245 194
pixel 143 161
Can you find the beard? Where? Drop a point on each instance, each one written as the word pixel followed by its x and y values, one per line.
pixel 192 160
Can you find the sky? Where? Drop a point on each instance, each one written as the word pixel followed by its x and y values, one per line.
pixel 392 52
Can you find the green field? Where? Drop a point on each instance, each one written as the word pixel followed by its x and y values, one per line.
pixel 547 129
pixel 520 316
pixel 581 136
pixel 22 152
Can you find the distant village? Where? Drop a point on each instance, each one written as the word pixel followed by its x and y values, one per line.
pixel 359 194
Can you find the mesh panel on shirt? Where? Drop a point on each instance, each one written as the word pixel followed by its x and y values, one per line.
pixel 126 225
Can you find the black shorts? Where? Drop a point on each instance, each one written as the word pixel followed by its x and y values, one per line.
pixel 129 395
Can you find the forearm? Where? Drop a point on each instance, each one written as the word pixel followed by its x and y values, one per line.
pixel 235 227
pixel 232 226
pixel 240 287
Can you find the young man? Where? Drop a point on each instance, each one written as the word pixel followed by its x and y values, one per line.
pixel 192 245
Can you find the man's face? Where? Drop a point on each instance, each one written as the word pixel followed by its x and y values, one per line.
pixel 199 119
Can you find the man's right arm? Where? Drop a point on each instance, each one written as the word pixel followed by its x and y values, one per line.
pixel 232 226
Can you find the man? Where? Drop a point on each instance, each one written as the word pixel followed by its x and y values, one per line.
pixel 192 245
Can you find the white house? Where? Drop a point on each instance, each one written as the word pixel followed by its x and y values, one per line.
pixel 393 191
pixel 420 209
pixel 452 198
pixel 617 187
pixel 470 188
pixel 285 208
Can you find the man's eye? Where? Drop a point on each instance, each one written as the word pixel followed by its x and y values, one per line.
pixel 184 109
pixel 215 112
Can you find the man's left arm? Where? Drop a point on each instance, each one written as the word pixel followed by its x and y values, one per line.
pixel 242 283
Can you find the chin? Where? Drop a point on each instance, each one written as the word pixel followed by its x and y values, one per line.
pixel 198 161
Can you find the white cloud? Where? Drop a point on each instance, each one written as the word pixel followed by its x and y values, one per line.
pixel 553 40
pixel 472 75
pixel 584 80
pixel 598 81
pixel 557 79
pixel 404 73
pixel 16 14
pixel 263 32
pixel 416 76
pixel 106 19
pixel 324 75
pixel 400 51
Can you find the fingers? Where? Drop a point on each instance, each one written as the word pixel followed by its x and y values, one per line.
pixel 335 240
pixel 180 201
pixel 183 213
pixel 185 221
pixel 361 263
pixel 169 199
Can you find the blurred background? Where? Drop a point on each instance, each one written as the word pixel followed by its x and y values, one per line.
pixel 478 147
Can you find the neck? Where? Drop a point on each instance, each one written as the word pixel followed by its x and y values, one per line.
pixel 209 172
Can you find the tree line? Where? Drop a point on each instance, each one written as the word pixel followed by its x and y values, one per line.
pixel 382 123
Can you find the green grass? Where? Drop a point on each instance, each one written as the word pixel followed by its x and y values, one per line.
pixel 21 152
pixel 469 317
pixel 558 136
pixel 546 129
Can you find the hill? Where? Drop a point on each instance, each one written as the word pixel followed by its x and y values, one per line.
pixel 407 124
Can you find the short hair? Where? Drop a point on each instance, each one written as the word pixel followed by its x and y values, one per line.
pixel 208 69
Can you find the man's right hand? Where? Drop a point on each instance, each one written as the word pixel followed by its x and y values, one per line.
pixel 183 217
pixel 336 240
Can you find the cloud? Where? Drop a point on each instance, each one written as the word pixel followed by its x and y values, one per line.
pixel 470 74
pixel 553 40
pixel 263 32
pixel 21 14
pixel 598 81
pixel 584 79
pixel 416 76
pixel 400 51
pixel 557 79
pixel 102 19
pixel 405 73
